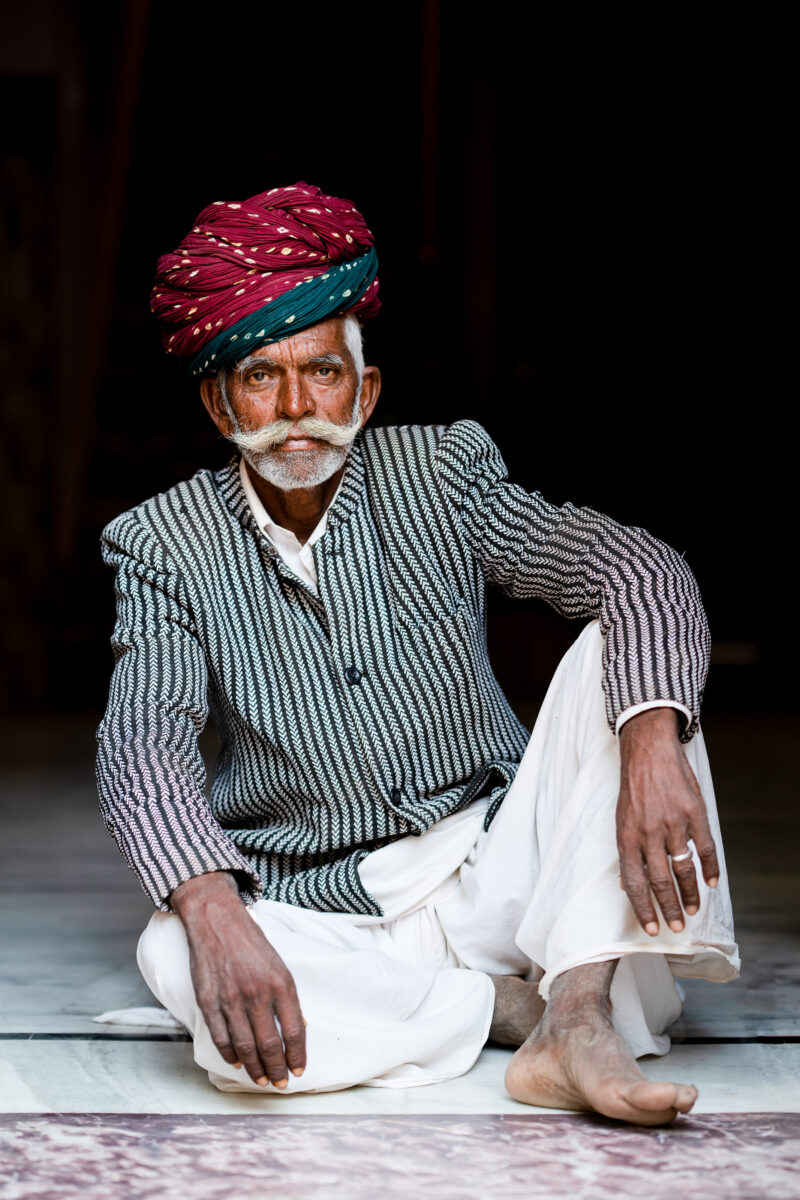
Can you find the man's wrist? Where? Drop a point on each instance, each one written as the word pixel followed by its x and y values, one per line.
pixel 634 709
pixel 652 722
pixel 213 889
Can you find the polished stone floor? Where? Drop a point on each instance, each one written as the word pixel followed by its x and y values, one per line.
pixel 445 1156
pixel 71 914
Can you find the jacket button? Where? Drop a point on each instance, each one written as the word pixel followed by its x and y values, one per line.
pixel 352 675
pixel 395 795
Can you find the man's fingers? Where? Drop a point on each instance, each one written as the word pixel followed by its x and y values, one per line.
pixel 706 851
pixel 293 1028
pixel 220 1036
pixel 270 1049
pixel 686 877
pixel 246 1045
pixel 637 889
pixel 701 834
pixel 255 1042
pixel 663 886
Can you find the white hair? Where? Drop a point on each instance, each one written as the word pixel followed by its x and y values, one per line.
pixel 354 340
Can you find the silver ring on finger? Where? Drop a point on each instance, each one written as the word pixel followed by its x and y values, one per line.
pixel 680 857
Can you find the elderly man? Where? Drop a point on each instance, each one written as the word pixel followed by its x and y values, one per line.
pixel 389 870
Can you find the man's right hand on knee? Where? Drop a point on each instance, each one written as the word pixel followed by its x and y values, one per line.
pixel 243 987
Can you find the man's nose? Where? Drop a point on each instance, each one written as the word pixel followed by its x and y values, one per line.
pixel 295 400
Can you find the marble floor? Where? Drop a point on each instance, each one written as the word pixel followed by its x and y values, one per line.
pixel 448 1157
pixel 70 914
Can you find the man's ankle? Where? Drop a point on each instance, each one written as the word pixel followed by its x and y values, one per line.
pixel 583 990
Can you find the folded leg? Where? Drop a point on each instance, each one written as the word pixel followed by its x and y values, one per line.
pixel 382 1006
pixel 540 892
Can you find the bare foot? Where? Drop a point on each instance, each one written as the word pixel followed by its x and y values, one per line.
pixel 583 1063
pixel 517 1008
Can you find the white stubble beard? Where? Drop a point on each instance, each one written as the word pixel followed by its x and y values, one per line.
pixel 297 468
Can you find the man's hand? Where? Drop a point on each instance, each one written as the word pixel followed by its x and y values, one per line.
pixel 660 808
pixel 243 987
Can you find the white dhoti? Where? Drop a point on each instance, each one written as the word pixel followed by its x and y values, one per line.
pixel 405 999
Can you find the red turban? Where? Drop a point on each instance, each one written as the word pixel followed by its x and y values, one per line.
pixel 226 289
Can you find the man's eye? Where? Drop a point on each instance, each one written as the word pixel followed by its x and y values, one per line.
pixel 257 376
pixel 324 370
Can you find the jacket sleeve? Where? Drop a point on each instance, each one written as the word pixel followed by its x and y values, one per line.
pixel 149 770
pixel 655 634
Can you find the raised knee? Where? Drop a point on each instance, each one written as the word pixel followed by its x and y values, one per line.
pixel 163 953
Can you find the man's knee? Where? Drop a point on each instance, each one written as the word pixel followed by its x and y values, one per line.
pixel 163 957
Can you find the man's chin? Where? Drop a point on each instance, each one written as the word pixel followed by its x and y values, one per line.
pixel 299 468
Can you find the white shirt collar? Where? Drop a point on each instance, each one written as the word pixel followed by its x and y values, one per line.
pixel 299 558
pixel 282 538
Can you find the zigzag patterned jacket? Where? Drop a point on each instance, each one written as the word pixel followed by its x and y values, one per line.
pixel 370 711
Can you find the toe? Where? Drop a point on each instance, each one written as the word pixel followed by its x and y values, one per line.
pixel 647 1094
pixel 685 1098
pixel 650 1097
pixel 659 1103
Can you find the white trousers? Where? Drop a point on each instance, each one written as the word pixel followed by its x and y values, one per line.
pixel 406 998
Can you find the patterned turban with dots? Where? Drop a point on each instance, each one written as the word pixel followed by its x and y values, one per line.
pixel 256 271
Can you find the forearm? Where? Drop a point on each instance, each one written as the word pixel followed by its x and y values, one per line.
pixel 153 806
pixel 150 779
pixel 656 640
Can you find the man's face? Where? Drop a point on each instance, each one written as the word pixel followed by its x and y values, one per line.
pixel 295 401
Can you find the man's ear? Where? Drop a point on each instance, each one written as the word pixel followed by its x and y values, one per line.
pixel 212 398
pixel 370 390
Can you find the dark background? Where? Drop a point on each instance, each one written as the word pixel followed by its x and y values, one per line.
pixel 581 237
